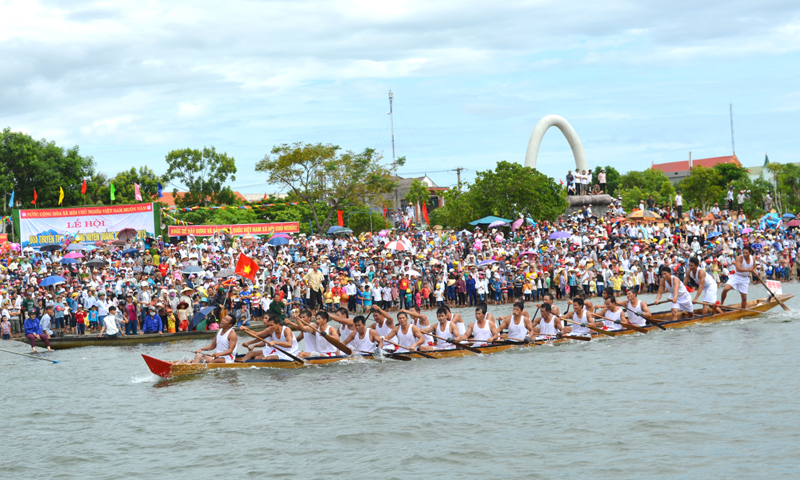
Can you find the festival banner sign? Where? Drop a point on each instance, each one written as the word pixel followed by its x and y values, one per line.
pixel 774 286
pixel 252 228
pixel 3 237
pixel 84 224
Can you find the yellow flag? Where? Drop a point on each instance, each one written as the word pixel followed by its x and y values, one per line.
pixel 61 195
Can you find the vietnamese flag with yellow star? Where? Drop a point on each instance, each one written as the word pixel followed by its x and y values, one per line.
pixel 246 267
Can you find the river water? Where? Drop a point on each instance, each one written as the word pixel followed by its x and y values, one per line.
pixel 709 401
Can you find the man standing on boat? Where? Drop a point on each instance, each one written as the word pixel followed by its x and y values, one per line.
pixel 224 345
pixel 745 264
pixel 705 283
pixel 679 296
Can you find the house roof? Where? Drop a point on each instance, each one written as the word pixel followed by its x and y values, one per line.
pixel 169 199
pixel 703 162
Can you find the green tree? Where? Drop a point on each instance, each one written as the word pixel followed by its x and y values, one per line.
pixel 703 186
pixel 27 164
pixel 458 209
pixel 144 177
pixel 321 173
pixel 512 189
pixel 637 185
pixel 418 193
pixel 202 173
pixel 730 172
pixel 787 184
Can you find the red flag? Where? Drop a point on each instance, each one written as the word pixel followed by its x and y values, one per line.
pixel 384 210
pixel 246 267
pixel 83 187
pixel 562 182
pixel 34 197
pixel 265 196
pixel 340 214
pixel 425 212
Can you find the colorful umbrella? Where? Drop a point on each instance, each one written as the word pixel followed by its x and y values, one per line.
pixel 275 241
pixel 74 255
pixel 54 280
pixel 644 215
pixel 127 234
pixel 397 246
pixel 557 235
pixel 498 223
pixel 517 223
pixel 746 230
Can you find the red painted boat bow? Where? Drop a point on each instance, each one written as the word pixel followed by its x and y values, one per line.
pixel 159 367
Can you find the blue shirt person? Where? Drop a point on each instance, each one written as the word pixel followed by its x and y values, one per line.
pixel 152 322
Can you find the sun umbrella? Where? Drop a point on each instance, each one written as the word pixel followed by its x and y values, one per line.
pixel 74 255
pixel 557 235
pixel 531 221
pixel 95 264
pixel 746 230
pixel 712 235
pixel 200 316
pixel 127 234
pixel 67 261
pixel 282 235
pixel 396 246
pixel 788 215
pixel 527 253
pixel 465 232
pixel 498 223
pixel 342 231
pixel 412 273
pixel 333 229
pixel 488 220
pixel 644 215
pixel 74 247
pixel 382 233
pixel 51 247
pixel 486 262
pixel 54 280
pixel 192 269
pixel 225 273
pixel 517 223
pixel 793 223
pixel 276 241
pixel 130 251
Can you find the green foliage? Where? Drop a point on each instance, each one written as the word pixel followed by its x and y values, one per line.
pixel 202 172
pixel 321 173
pixel 635 186
pixel 123 183
pixel 418 193
pixel 703 187
pixel 787 180
pixel 458 209
pixel 27 164
pixel 358 220
pixel 729 173
pixel 612 178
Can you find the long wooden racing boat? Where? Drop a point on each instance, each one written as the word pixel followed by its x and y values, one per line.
pixel 93 340
pixel 171 369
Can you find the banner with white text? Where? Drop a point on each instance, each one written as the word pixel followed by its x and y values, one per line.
pixel 86 224
pixel 244 229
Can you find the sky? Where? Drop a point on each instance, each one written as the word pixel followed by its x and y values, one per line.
pixel 640 82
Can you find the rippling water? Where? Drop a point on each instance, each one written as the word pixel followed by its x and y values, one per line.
pixel 709 401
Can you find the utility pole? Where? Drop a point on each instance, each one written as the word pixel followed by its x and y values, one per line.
pixel 458 172
pixel 733 145
pixel 391 116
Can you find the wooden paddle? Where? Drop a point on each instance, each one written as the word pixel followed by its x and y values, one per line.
pixel 296 359
pixel 730 307
pixel 619 322
pixel 459 346
pixel 336 343
pixel 30 356
pixel 783 305
pixel 594 329
pixel 394 356
pixel 657 324
pixel 415 351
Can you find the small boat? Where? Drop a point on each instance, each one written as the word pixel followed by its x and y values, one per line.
pixel 93 340
pixel 168 369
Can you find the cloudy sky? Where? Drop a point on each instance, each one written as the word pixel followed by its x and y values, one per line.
pixel 640 82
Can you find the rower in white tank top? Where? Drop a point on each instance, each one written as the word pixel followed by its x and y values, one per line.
pixel 635 314
pixel 223 344
pixel 324 347
pixel 683 295
pixel 445 333
pixel 546 329
pixel 405 340
pixel 740 280
pixel 517 330
pixel 709 285
pixel 481 335
pixel 360 345
pixel 310 342
pixel 610 325
pixel 281 338
pixel 384 330
pixel 578 329
pixel 344 331
pixel 428 338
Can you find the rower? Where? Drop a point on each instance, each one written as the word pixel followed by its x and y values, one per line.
pixel 740 280
pixel 323 347
pixel 638 313
pixel 548 299
pixel 612 313
pixel 705 284
pixel 579 316
pixel 408 336
pixel 304 318
pixel 444 328
pixel 362 340
pixel 453 317
pixel 345 323
pixel 483 330
pixel 546 326
pixel 383 324
pixel 522 301
pixel 255 353
pixel 224 345
pixel 518 324
pixel 420 321
pixel 680 297
pixel 282 337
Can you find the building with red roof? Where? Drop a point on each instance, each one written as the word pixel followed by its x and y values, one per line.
pixel 677 171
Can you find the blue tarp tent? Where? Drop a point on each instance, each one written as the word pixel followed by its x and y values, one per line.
pixel 488 220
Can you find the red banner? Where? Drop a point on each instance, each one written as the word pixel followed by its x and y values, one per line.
pixel 3 237
pixel 339 214
pixel 85 211
pixel 253 229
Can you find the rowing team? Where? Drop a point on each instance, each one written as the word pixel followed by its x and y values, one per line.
pixel 414 332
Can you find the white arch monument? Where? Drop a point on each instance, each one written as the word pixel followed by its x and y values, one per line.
pixel 562 124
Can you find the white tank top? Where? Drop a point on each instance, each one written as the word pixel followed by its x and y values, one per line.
pixel 745 265
pixel 282 338
pixel 444 334
pixel 428 338
pixel 461 328
pixel 635 314
pixel 222 341
pixel 577 329
pixel 517 330
pixel 362 345
pixel 311 341
pixel 481 334
pixel 708 282
pixel 683 295
pixel 405 340
pixel 324 346
pixel 613 316
pixel 344 331
pixel 545 328
pixel 384 329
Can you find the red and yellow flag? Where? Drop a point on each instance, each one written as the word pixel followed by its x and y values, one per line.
pixel 246 267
